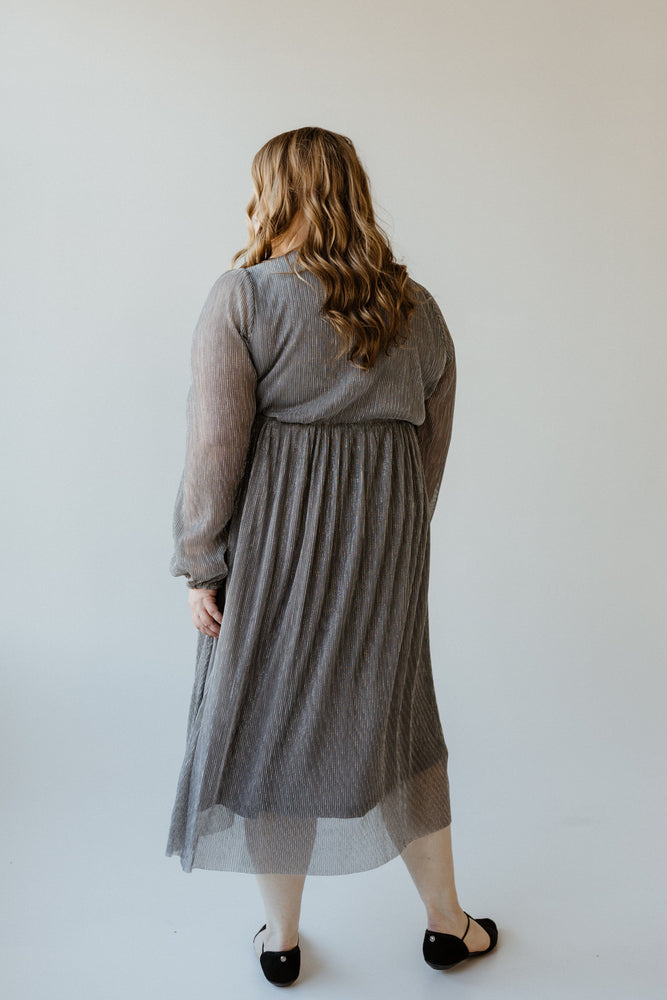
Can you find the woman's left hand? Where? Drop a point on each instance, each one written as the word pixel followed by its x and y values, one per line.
pixel 206 614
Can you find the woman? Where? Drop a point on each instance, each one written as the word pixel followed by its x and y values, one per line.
pixel 318 423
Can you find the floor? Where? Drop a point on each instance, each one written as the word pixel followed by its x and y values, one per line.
pixel 95 911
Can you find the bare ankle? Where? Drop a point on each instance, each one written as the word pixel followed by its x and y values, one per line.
pixel 280 938
pixel 441 917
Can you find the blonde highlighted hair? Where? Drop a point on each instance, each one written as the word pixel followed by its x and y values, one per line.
pixel 314 176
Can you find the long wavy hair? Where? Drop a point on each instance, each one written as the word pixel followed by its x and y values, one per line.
pixel 313 177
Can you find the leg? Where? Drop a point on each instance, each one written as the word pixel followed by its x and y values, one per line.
pixel 267 836
pixel 282 902
pixel 430 863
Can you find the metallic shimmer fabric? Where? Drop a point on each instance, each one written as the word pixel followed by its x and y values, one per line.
pixel 314 744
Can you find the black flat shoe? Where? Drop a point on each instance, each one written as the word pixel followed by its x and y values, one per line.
pixel 442 951
pixel 280 967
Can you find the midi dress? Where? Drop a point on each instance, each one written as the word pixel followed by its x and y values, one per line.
pixel 314 743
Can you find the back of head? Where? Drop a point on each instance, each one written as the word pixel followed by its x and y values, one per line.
pixel 310 182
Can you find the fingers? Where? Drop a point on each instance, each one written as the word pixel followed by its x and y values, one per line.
pixel 206 615
pixel 205 622
pixel 213 609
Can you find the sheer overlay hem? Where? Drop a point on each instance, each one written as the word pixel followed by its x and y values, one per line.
pixel 306 845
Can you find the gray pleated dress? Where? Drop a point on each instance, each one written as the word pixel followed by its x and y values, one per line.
pixel 314 744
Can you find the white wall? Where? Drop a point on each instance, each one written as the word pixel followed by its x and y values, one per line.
pixel 517 156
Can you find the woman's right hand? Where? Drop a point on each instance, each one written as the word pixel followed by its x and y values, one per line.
pixel 206 614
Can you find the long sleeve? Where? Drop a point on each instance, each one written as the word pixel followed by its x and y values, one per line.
pixel 220 411
pixel 434 434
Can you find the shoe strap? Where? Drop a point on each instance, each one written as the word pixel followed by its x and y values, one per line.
pixel 467 925
pixel 262 928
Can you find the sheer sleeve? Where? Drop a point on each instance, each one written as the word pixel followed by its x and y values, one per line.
pixel 220 410
pixel 434 434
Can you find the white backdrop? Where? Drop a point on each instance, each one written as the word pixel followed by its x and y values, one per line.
pixel 516 153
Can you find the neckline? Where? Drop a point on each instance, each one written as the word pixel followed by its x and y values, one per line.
pixel 279 255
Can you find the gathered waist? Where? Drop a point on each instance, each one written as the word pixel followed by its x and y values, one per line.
pixel 370 423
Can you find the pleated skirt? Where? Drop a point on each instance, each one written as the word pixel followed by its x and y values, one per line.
pixel 314 744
